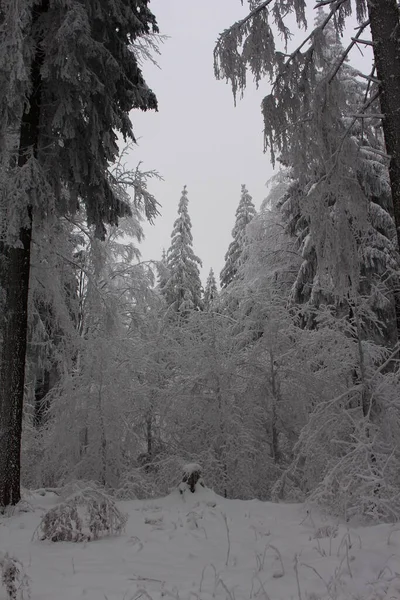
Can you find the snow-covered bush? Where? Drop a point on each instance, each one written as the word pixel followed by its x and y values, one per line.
pixel 348 462
pixel 86 514
pixel 136 484
pixel 192 475
pixel 13 578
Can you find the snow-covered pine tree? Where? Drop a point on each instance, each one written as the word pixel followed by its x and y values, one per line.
pixel 249 45
pixel 162 272
pixel 183 289
pixel 244 214
pixel 363 228
pixel 70 86
pixel 210 291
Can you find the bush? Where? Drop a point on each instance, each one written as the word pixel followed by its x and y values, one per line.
pixel 87 514
pixel 13 578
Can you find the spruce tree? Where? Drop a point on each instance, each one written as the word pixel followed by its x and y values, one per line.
pixel 244 214
pixel 182 290
pixel 294 99
pixel 70 80
pixel 162 272
pixel 210 291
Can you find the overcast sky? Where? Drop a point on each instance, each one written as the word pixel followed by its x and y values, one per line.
pixel 198 138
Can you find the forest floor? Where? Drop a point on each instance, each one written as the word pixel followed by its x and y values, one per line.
pixel 202 547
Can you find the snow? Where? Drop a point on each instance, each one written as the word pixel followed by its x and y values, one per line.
pixel 190 468
pixel 201 546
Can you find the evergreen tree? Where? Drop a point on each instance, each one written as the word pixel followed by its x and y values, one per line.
pixel 70 86
pixel 182 290
pixel 162 272
pixel 211 291
pixel 294 94
pixel 244 214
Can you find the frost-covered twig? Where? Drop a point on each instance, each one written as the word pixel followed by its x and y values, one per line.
pixel 281 574
pixel 228 537
pixel 296 570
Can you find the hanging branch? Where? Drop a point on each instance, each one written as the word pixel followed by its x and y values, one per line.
pixel 347 52
pixel 239 24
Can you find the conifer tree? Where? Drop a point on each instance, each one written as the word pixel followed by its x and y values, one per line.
pixel 211 291
pixel 162 272
pixel 70 85
pixel 250 45
pixel 244 214
pixel 183 288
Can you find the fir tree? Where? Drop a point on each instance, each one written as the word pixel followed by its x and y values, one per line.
pixel 70 86
pixel 211 291
pixel 250 45
pixel 183 288
pixel 162 272
pixel 244 214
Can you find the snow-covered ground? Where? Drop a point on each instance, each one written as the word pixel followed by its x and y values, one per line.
pixel 202 546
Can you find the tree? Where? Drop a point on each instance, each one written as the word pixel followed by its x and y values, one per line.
pixel 210 291
pixel 295 98
pixel 182 290
pixel 244 214
pixel 69 88
pixel 86 435
pixel 350 211
pixel 162 272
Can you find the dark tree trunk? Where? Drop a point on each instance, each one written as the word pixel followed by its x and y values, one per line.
pixel 384 17
pixel 15 282
pixel 149 435
pixel 274 413
pixel 12 367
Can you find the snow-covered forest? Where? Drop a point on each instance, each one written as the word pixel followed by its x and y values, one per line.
pixel 279 375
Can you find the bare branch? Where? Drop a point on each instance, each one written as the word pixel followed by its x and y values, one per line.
pixel 347 51
pixel 365 42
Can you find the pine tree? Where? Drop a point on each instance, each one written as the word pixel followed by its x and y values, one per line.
pixel 250 45
pixel 211 291
pixel 70 86
pixel 162 272
pixel 244 214
pixel 182 290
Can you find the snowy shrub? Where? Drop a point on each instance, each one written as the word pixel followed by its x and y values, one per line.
pixel 287 488
pixel 136 484
pixel 363 482
pixel 13 578
pixel 87 514
pixel 192 474
pixel 348 463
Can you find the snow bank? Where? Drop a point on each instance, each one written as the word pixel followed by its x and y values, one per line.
pixel 204 546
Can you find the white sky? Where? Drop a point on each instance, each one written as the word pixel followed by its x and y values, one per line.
pixel 198 138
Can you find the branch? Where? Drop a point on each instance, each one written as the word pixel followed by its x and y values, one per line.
pixel 240 24
pixel 376 151
pixel 347 51
pixel 365 42
pixel 349 128
pixel 367 77
pixel 368 116
pixel 308 38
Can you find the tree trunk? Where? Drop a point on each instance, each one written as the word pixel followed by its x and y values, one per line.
pixel 15 282
pixel 384 18
pixel 274 416
pixel 12 368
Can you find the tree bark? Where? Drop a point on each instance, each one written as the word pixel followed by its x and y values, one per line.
pixel 275 452
pixel 14 280
pixel 12 368
pixel 384 18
